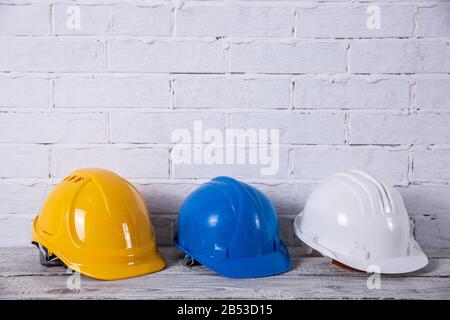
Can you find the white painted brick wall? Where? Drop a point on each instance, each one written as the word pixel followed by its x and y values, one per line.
pixel 53 127
pixel 110 94
pixel 400 56
pixel 126 161
pixel 344 21
pixel 236 92
pixel 95 20
pixel 99 91
pixel 157 127
pixel 296 128
pixel 433 20
pixel 24 162
pixel 241 171
pixel 203 19
pixel 288 57
pixel 167 56
pixel 423 198
pixel 432 165
pixel 321 162
pixel 376 128
pixel 25 91
pixel 55 54
pixel 352 92
pixel 25 20
pixel 120 19
pixel 22 197
pixel 154 20
pixel 432 92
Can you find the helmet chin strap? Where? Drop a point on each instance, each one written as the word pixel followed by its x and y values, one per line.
pixel 189 262
pixel 343 266
pixel 47 258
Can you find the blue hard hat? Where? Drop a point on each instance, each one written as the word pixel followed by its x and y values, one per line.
pixel 232 228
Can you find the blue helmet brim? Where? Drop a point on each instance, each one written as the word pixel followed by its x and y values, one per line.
pixel 254 267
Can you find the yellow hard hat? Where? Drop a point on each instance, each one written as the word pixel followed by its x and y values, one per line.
pixel 97 223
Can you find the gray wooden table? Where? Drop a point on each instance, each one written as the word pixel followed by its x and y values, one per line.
pixel 21 277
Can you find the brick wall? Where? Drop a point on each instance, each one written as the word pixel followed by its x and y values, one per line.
pixel 110 93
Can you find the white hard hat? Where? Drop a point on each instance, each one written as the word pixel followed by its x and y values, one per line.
pixel 360 222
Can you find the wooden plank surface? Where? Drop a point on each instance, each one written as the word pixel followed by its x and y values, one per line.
pixel 22 277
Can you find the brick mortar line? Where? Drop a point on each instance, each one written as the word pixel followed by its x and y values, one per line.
pixel 46 75
pixel 415 21
pixel 108 127
pixel 52 20
pixel 294 26
pixel 172 93
pixel 173 21
pixel 220 111
pixel 348 54
pixel 370 79
pixel 51 92
pixel 145 74
pixel 347 129
pixel 171 165
pixel 30 182
pixel 197 3
pixel 107 56
pixel 156 145
pixel 174 215
pixel 292 90
pixel 410 170
pixel 412 94
pixel 242 40
pixel 51 164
